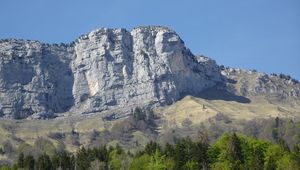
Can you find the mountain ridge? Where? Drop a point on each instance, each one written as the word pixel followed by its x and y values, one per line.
pixel 108 69
pixel 100 70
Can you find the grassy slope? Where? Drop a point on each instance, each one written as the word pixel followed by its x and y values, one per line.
pixel 191 109
pixel 198 110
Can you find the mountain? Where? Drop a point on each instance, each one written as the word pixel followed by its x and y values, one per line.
pixel 103 70
pixel 113 68
pixel 113 86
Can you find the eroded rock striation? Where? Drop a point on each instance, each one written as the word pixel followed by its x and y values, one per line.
pixel 105 69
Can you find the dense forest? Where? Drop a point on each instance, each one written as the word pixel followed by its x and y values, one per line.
pixel 230 151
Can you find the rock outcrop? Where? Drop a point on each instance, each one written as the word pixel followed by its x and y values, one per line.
pixel 277 89
pixel 105 69
pixel 35 78
pixel 116 69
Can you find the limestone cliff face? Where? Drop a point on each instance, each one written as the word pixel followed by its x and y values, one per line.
pixel 34 78
pixel 105 69
pixel 278 89
pixel 149 65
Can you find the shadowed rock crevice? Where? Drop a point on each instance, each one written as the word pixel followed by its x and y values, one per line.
pixel 217 93
pixel 57 69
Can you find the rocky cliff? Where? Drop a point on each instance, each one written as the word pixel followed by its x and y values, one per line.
pixel 103 70
pixel 278 89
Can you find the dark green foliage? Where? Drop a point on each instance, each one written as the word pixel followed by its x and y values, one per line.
pixel 1 151
pixel 234 151
pixel 189 152
pixel 271 164
pixel 151 148
pixel 119 149
pixel 21 160
pixel 231 151
pixel 296 154
pixel 63 160
pixel 44 163
pixel 29 162
pixel 257 161
pixel 283 144
pixel 169 150
pixel 275 131
pixel 101 153
pixel 82 159
pixel 139 114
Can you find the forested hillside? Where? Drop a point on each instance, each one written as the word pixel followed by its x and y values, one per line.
pixel 231 151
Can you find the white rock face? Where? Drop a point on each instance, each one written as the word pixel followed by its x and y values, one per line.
pixel 149 65
pixel 280 88
pixel 106 69
pixel 34 79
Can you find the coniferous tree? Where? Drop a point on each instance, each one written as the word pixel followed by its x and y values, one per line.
pixel 21 160
pixel 101 154
pixel 29 162
pixel 271 164
pixel 169 150
pixel 63 160
pixel 1 151
pixel 257 162
pixel 275 131
pixel 200 154
pixel 296 153
pixel 139 114
pixel 82 159
pixel 55 161
pixel 283 144
pixel 234 151
pixel 183 151
pixel 44 162
pixel 151 148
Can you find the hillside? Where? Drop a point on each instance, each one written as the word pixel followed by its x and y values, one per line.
pixel 113 86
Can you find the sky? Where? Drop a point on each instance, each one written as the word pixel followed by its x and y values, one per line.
pixel 251 34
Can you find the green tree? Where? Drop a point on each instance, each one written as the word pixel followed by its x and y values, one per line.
pixel 270 163
pixel 169 150
pixel 296 154
pixel 101 154
pixel 21 160
pixel 234 152
pixel 82 159
pixel 160 162
pixel 63 160
pixel 191 165
pixel 29 162
pixel 275 131
pixel 139 114
pixel 1 151
pixel 118 159
pixel 257 161
pixel 140 162
pixel 152 147
pixel 234 149
pixel 6 167
pixel 44 162
pixel 200 154
pixel 55 162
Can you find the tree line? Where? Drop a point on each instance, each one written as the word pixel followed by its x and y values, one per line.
pixel 230 151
